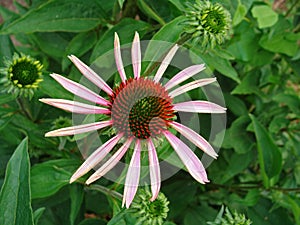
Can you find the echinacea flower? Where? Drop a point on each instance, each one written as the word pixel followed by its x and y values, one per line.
pixel 208 23
pixel 22 75
pixel 140 109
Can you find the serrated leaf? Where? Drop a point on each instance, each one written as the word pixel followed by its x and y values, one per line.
pixel 15 193
pixel 48 177
pixel 56 15
pixel 270 158
pixel 266 17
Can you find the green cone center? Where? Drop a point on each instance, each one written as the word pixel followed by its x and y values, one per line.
pixel 24 72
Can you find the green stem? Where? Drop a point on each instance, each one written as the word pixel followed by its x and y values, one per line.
pixel 106 191
pixel 23 108
pixel 291 9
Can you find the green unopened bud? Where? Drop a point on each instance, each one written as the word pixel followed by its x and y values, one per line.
pixel 148 212
pixel 21 75
pixel 208 23
pixel 229 219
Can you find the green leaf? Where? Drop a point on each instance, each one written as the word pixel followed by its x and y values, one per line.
pixel 56 15
pixel 76 195
pixel 78 46
pixel 239 14
pixel 123 217
pixel 270 158
pixel 53 89
pixel 222 65
pixel 92 222
pixel 292 101
pixel 6 49
pixel 266 17
pixel 37 214
pixel 149 12
pixel 48 177
pixel 15 193
pixel 125 30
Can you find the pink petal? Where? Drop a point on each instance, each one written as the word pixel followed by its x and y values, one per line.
pixel 165 63
pixel 78 129
pixel 91 75
pixel 184 75
pixel 195 138
pixel 190 86
pixel 188 157
pixel 95 157
pixel 154 170
pixel 136 55
pixel 75 107
pixel 80 90
pixel 118 58
pixel 199 107
pixel 133 176
pixel 109 164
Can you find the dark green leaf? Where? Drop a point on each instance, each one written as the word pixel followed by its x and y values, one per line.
pixel 149 12
pixel 92 222
pixel 125 29
pixel 270 158
pixel 56 15
pixel 15 193
pixel 48 177
pixel 78 46
pixel 292 101
pixel 76 195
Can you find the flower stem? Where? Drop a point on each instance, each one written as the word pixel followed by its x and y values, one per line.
pixel 23 108
pixel 106 191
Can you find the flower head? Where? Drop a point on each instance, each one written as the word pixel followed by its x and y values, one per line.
pixel 140 109
pixel 22 75
pixel 149 213
pixel 209 23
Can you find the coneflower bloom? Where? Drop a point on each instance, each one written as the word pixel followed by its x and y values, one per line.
pixel 140 109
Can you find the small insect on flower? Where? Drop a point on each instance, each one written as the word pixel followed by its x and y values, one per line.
pixel 22 75
pixel 140 109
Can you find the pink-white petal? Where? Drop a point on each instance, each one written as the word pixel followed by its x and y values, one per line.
pixel 199 107
pixel 118 58
pixel 95 157
pixel 165 63
pixel 184 75
pixel 188 157
pixel 79 129
pixel 133 176
pixel 195 138
pixel 155 178
pixel 91 75
pixel 75 107
pixel 136 55
pixel 109 164
pixel 190 86
pixel 80 90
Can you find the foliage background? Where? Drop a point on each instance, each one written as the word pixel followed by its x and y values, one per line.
pixel 258 169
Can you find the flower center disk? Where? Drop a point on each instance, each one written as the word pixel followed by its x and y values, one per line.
pixel 141 108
